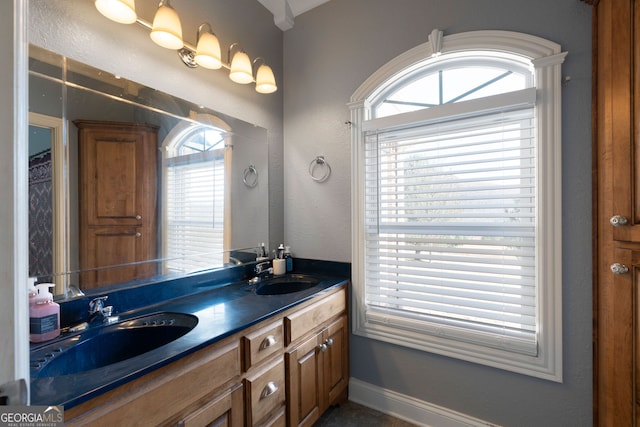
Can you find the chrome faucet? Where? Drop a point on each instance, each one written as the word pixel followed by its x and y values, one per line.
pixel 261 269
pixel 98 311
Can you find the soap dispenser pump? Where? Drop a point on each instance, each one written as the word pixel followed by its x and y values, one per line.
pixel 44 315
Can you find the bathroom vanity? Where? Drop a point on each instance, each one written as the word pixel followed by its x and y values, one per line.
pixel 252 359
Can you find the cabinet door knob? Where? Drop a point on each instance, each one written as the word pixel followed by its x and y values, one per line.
pixel 268 342
pixel 329 342
pixel 269 389
pixel 618 220
pixel 617 268
pixel 138 234
pixel 138 217
pixel 323 347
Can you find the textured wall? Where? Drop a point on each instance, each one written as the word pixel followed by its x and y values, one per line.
pixel 330 51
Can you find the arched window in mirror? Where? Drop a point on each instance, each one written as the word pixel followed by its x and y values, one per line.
pixel 197 161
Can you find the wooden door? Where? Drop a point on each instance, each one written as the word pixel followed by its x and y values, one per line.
pixel 111 252
pixel 617 214
pixel 117 201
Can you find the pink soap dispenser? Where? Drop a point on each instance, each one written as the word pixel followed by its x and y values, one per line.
pixel 44 315
pixel 33 292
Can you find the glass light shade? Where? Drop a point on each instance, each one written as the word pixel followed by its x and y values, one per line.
pixel 208 51
pixel 241 71
pixel 265 80
pixel 166 30
pixel 121 11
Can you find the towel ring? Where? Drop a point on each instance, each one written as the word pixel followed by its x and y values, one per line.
pixel 250 176
pixel 324 165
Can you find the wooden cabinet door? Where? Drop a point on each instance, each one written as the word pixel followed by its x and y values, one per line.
pixel 304 383
pixel 617 248
pixel 318 373
pixel 336 361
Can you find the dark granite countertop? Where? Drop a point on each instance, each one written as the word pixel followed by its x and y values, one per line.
pixel 223 308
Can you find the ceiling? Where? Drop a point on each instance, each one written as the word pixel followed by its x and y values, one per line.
pixel 285 11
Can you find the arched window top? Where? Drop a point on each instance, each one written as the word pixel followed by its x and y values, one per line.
pixel 204 134
pixel 450 78
pixel 196 139
pixel 527 57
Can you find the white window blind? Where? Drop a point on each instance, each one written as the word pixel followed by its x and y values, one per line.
pixel 450 228
pixel 195 211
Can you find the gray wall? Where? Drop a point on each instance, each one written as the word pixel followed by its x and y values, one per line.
pixel 329 52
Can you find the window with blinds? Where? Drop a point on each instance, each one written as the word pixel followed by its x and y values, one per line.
pixel 456 201
pixel 194 205
pixel 450 228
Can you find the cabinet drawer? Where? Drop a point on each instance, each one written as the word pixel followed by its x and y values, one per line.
pixel 265 391
pixel 264 342
pixel 303 321
pixel 279 419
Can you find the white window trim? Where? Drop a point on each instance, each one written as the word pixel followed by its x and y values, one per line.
pixel 546 58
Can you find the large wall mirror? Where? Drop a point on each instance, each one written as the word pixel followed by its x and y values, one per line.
pixel 129 184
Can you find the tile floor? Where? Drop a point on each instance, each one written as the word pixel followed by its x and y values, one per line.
pixel 351 414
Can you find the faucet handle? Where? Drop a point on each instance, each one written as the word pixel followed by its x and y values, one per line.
pixel 262 266
pixel 97 304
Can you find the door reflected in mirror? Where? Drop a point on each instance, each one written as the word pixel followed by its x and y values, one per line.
pixel 143 184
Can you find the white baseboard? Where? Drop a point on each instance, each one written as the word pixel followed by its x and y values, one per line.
pixel 408 408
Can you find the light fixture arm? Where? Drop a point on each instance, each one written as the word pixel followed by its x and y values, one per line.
pixel 231 46
pixel 255 61
pixel 201 27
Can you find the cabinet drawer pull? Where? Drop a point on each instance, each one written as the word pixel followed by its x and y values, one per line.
pixel 269 389
pixel 268 342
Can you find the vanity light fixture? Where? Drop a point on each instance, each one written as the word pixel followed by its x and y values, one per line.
pixel 121 11
pixel 166 31
pixel 240 71
pixel 208 48
pixel 265 80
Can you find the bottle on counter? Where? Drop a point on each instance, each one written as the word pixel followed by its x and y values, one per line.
pixel 33 292
pixel 288 258
pixel 44 315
